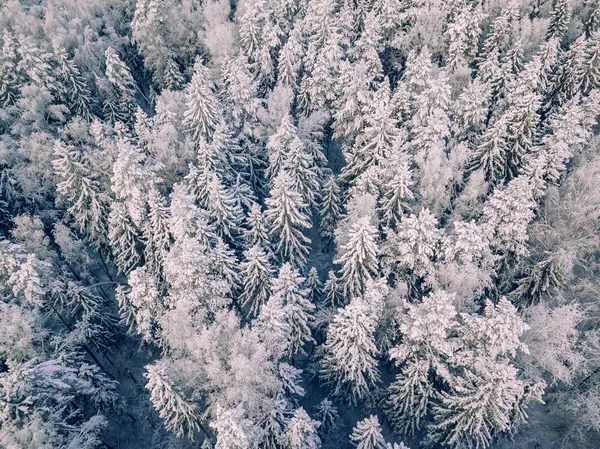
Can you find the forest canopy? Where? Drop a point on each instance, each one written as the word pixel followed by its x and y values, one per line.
pixel 299 224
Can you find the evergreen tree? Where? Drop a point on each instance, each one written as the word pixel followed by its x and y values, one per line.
pixel 241 91
pixel 281 144
pixel 87 203
pixel 202 113
pixel 350 351
pixel 415 243
pixel 327 415
pixel 508 213
pixel 589 72
pixel 290 60
pixel 234 431
pixel 124 238
pixel 143 303
pixel 77 93
pixel 397 193
pixel 224 213
pixel 257 233
pixel 157 234
pixel 296 307
pixel 287 218
pixel 334 291
pixel 375 143
pixel 330 208
pixel 301 432
pixel 255 272
pixel 359 258
pixel 314 285
pixel 173 78
pixel 179 415
pixel 367 434
pixel 559 20
pixel 260 35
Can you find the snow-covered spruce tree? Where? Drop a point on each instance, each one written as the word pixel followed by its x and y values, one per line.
pixel 425 328
pixel 257 231
pixel 124 238
pixel 259 35
pixel 287 291
pixel 287 217
pixel 202 113
pixel 86 201
pixel 173 78
pixel 349 362
pixel 414 245
pixel 280 144
pixel 234 430
pixel 314 285
pixel 223 212
pixel 240 93
pixel 328 415
pixel 375 143
pixel 330 210
pixel 301 432
pixel 120 76
pixel 179 415
pixel 396 191
pixel 559 20
pixel 157 233
pixel 76 91
pixel 359 258
pixel 302 169
pixel 255 272
pixel 144 303
pixel 333 290
pixel 367 434
pixel 508 213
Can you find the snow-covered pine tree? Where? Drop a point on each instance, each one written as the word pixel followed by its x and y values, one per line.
pixel 287 290
pixel 280 144
pixel 77 93
pixel 375 143
pixel 223 211
pixel 367 434
pixel 350 351
pixel 179 415
pixel 328 415
pixel 314 285
pixel 287 218
pixel 334 290
pixel 425 346
pixel 157 233
pixel 257 232
pixel 414 245
pixel 589 71
pixel 124 238
pixel 234 430
pixel 301 432
pixel 359 258
pixel 260 35
pixel 396 191
pixel 290 59
pixel 240 93
pixel 172 77
pixel 119 75
pixel 144 303
pixel 330 210
pixel 202 113
pixel 508 213
pixel 559 20
pixel 255 273
pixel 86 202
pixel 300 165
